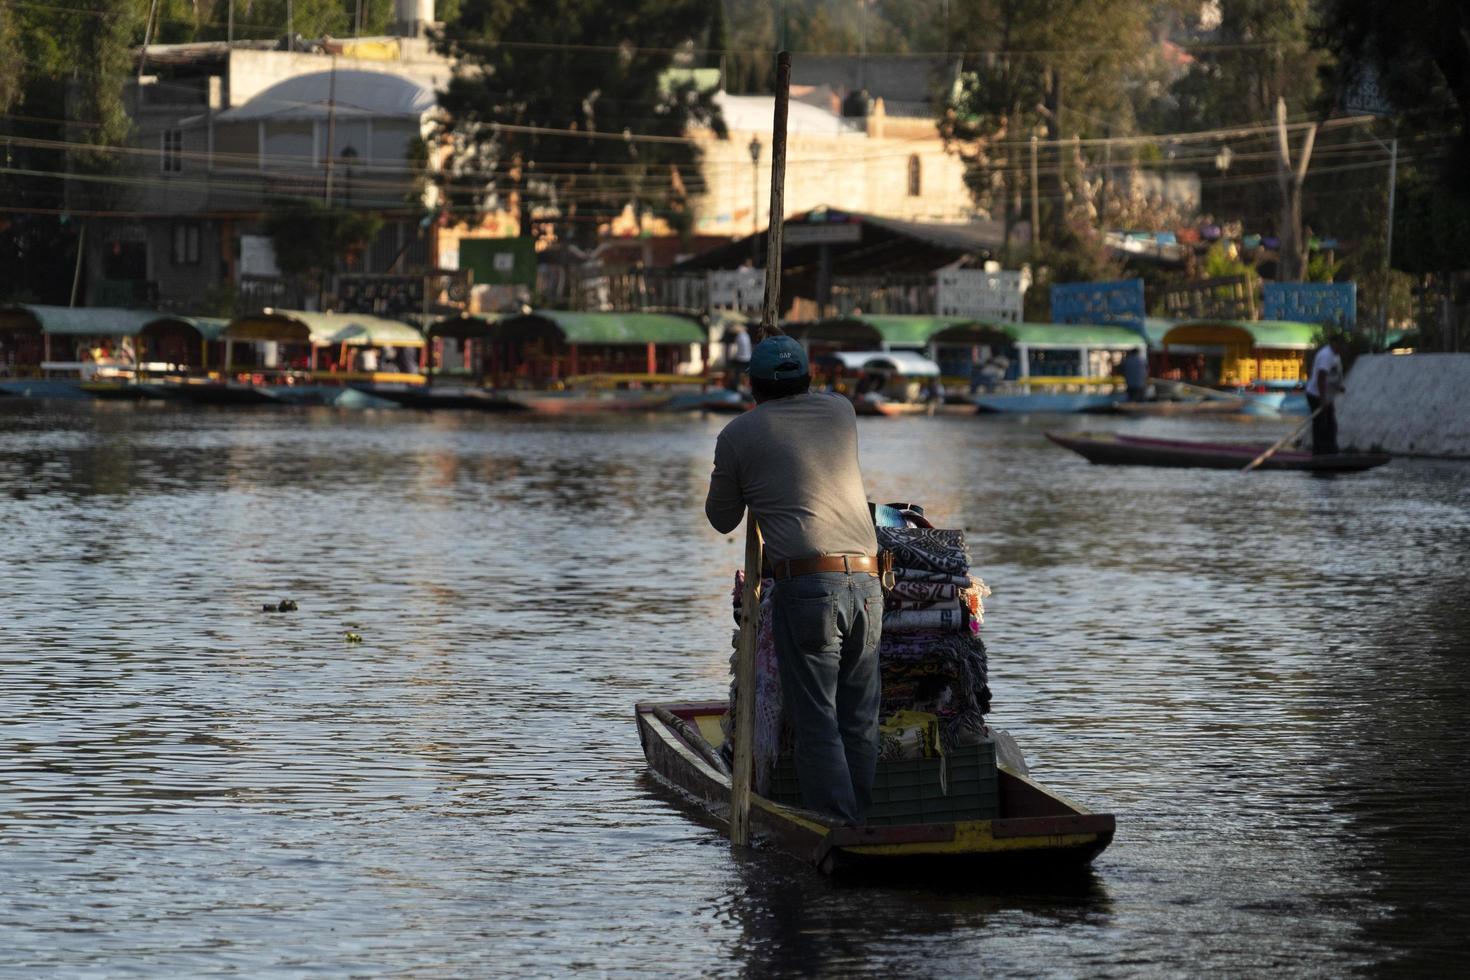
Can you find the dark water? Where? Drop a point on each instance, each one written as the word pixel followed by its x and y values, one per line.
pixel 1265 678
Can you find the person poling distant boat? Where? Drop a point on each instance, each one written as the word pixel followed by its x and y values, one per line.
pixel 1323 387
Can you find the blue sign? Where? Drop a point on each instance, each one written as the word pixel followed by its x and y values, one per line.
pixel 1099 302
pixel 1327 303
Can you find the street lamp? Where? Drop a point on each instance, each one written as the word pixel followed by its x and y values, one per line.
pixel 755 198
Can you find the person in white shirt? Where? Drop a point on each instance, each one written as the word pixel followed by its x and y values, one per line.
pixel 1324 384
pixel 737 361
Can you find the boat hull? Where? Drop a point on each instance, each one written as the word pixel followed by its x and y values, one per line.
pixel 1120 450
pixel 1276 403
pixel 1047 402
pixel 579 403
pixel 444 399
pixel 1037 831
pixel 1210 406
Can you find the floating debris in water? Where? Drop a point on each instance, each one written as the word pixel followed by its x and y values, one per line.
pixel 352 637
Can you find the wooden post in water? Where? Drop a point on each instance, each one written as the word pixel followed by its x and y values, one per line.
pixel 750 614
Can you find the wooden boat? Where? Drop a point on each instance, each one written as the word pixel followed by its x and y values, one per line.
pixel 727 403
pixel 1110 447
pixel 589 402
pixel 1197 406
pixel 1043 401
pixel 887 407
pixel 1036 831
pixel 448 398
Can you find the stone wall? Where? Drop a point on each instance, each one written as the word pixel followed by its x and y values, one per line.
pixel 1412 405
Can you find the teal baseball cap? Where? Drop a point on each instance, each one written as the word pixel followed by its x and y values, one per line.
pixel 778 359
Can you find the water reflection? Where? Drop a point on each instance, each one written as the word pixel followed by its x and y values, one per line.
pixel 1263 678
pixel 794 923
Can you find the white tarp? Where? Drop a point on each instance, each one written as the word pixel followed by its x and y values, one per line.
pixel 907 363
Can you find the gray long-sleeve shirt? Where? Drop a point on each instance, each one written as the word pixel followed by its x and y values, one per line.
pixel 794 462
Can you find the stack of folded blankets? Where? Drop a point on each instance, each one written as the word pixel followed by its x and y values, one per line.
pixel 931 658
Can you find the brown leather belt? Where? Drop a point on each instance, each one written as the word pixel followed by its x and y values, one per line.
pixel 850 564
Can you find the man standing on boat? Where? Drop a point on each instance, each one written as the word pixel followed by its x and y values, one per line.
pixel 793 462
pixel 1135 375
pixel 737 359
pixel 1323 387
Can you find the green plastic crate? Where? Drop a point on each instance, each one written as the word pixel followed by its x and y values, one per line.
pixel 909 791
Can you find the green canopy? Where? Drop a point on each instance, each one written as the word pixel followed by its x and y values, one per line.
pixel 919 331
pixel 303 326
pixel 75 321
pixel 1154 328
pixel 1263 334
pixel 909 331
pixel 208 327
pixel 1041 335
pixel 606 328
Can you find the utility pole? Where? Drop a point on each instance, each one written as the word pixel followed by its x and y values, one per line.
pixel 143 51
pixel 1393 173
pixel 1290 179
pixel 1035 205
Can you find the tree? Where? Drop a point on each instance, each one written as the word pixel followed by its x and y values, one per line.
pixel 567 111
pixel 309 236
pixel 1423 60
pixel 67 63
pixel 1035 68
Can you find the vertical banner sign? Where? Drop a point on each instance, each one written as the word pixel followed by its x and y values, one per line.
pixel 1118 302
pixel 1330 304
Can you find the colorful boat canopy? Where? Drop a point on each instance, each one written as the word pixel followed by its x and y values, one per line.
pixel 208 327
pixel 305 326
pixel 609 329
pixel 1258 334
pixel 1065 336
pixel 920 331
pixel 75 321
pixel 910 331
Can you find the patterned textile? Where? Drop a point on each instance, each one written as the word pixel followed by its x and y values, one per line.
pixel 914 575
pixel 931 658
pixel 945 674
pixel 895 605
pixel 924 591
pixel 932 618
pixel 926 549
pixel 768 724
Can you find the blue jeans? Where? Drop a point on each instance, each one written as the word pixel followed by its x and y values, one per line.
pixel 826 629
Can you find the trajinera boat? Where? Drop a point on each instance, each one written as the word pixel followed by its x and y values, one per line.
pixel 1110 447
pixel 948 791
pixel 1029 828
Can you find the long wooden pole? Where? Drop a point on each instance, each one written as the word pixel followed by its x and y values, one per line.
pixel 1284 440
pixel 771 309
pixel 740 778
